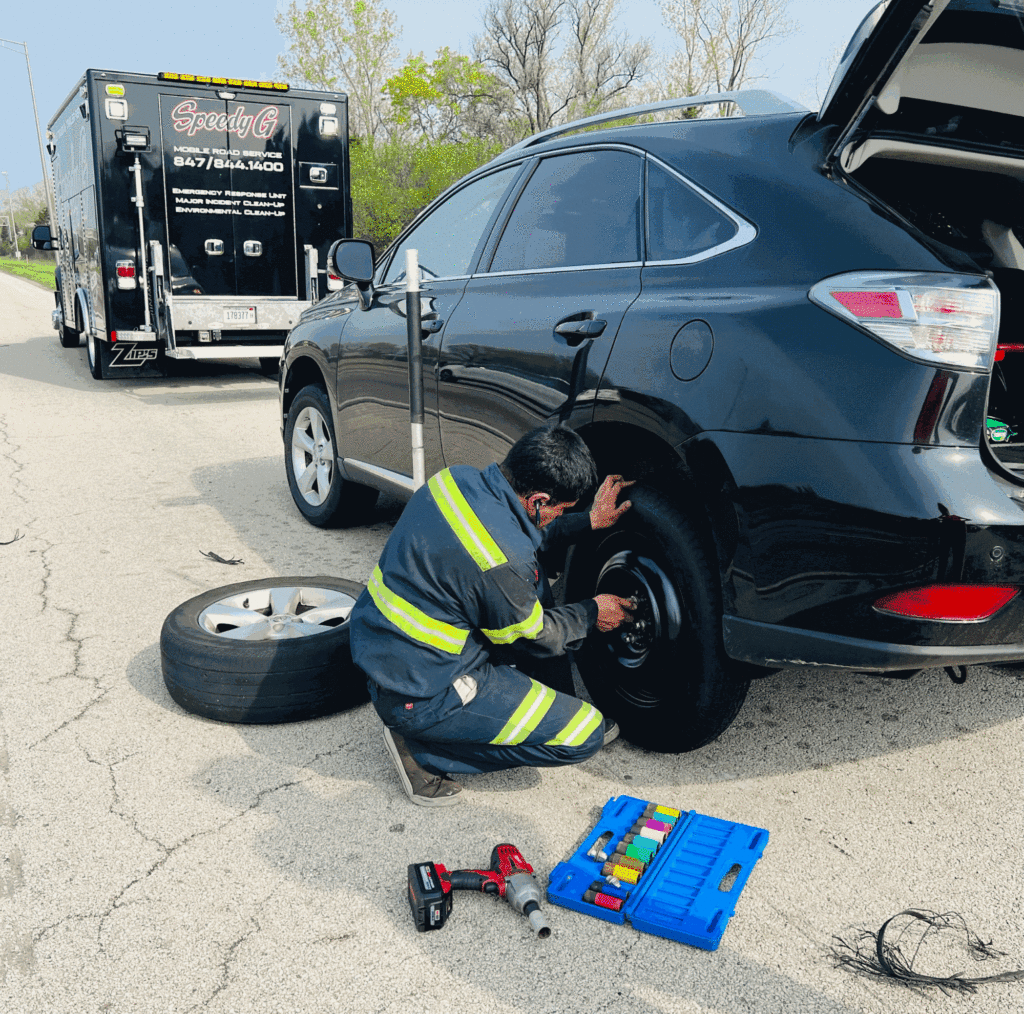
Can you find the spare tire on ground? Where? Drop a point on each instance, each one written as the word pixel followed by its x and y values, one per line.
pixel 262 651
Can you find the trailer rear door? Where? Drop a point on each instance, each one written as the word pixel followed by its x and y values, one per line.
pixel 229 195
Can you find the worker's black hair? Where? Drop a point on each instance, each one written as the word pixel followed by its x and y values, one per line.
pixel 552 460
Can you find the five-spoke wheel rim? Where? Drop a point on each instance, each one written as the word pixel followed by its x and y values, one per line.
pixel 272 614
pixel 312 456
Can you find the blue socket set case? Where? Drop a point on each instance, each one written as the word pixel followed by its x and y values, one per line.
pixel 686 884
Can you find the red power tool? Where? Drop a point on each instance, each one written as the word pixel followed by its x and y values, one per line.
pixel 510 877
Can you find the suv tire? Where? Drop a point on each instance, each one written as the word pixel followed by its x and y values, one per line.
pixel 322 495
pixel 266 677
pixel 666 678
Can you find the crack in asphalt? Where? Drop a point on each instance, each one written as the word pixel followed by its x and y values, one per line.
pixel 170 850
pixel 17 483
pixel 71 637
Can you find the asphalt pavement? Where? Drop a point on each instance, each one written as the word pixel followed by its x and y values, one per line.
pixel 153 861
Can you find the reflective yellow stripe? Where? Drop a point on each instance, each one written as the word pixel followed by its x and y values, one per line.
pixel 464 522
pixel 529 628
pixel 579 728
pixel 414 622
pixel 533 707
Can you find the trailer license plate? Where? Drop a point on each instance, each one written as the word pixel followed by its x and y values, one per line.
pixel 240 315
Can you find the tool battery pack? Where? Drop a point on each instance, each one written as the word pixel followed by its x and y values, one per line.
pixel 668 872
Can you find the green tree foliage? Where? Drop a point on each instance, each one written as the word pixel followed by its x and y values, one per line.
pixel 346 45
pixel 449 99
pixel 394 179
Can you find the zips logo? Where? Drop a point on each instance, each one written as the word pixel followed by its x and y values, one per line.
pixel 132 355
pixel 189 119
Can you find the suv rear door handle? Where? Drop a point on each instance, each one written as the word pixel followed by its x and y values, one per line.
pixel 580 329
pixel 431 326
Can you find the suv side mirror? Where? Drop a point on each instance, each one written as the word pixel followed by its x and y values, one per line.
pixel 43 240
pixel 352 259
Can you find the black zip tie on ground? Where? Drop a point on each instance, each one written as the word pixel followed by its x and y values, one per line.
pixel 220 559
pixel 17 535
pixel 871 954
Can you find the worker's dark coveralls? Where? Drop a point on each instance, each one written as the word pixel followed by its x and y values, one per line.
pixel 458 581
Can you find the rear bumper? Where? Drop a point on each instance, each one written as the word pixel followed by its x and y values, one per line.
pixel 217 350
pixel 776 646
pixel 215 313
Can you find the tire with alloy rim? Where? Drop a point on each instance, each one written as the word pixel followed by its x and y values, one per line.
pixel 310 457
pixel 273 650
pixel 665 678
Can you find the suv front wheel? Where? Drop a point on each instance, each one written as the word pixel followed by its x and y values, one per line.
pixel 665 677
pixel 310 460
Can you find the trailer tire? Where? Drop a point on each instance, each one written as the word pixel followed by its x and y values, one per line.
pixel 273 675
pixel 99 355
pixel 69 337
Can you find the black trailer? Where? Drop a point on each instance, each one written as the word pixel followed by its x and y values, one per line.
pixel 194 215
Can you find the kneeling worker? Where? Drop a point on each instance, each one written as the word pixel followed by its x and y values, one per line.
pixel 460 594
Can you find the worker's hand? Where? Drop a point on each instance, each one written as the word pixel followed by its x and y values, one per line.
pixel 605 511
pixel 612 612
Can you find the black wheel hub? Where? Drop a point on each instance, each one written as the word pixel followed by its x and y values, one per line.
pixel 657 617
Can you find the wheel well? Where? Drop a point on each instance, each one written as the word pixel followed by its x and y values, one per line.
pixel 694 475
pixel 301 373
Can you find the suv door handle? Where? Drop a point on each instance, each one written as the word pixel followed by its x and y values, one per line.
pixel 431 326
pixel 576 330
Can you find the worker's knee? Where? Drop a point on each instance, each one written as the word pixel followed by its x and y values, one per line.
pixel 588 747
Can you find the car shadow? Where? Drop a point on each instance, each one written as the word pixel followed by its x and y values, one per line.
pixel 797 720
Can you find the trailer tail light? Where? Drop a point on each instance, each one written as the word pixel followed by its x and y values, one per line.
pixel 948 603
pixel 126 274
pixel 943 319
pixel 334 282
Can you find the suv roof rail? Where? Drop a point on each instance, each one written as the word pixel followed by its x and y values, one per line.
pixel 752 101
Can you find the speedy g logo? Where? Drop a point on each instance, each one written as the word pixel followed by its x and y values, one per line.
pixel 189 119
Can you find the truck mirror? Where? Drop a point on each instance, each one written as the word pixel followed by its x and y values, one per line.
pixel 352 259
pixel 42 239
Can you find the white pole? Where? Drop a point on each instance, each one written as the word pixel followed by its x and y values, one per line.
pixel 415 337
pixel 47 179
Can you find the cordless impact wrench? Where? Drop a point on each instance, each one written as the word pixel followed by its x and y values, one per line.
pixel 510 877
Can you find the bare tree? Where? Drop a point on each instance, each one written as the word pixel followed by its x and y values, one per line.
pixel 603 64
pixel 551 81
pixel 347 45
pixel 719 41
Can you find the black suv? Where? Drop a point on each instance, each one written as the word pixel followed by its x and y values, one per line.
pixel 800 333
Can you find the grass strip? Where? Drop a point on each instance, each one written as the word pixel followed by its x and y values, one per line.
pixel 34 271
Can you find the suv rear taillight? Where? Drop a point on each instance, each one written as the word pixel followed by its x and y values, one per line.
pixel 949 603
pixel 125 274
pixel 950 320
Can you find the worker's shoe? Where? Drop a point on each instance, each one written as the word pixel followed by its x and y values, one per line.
pixel 611 731
pixel 422 787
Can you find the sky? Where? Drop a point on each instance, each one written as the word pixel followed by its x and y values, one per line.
pixel 238 38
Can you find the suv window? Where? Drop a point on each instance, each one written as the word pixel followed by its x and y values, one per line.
pixel 680 223
pixel 577 209
pixel 447 239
